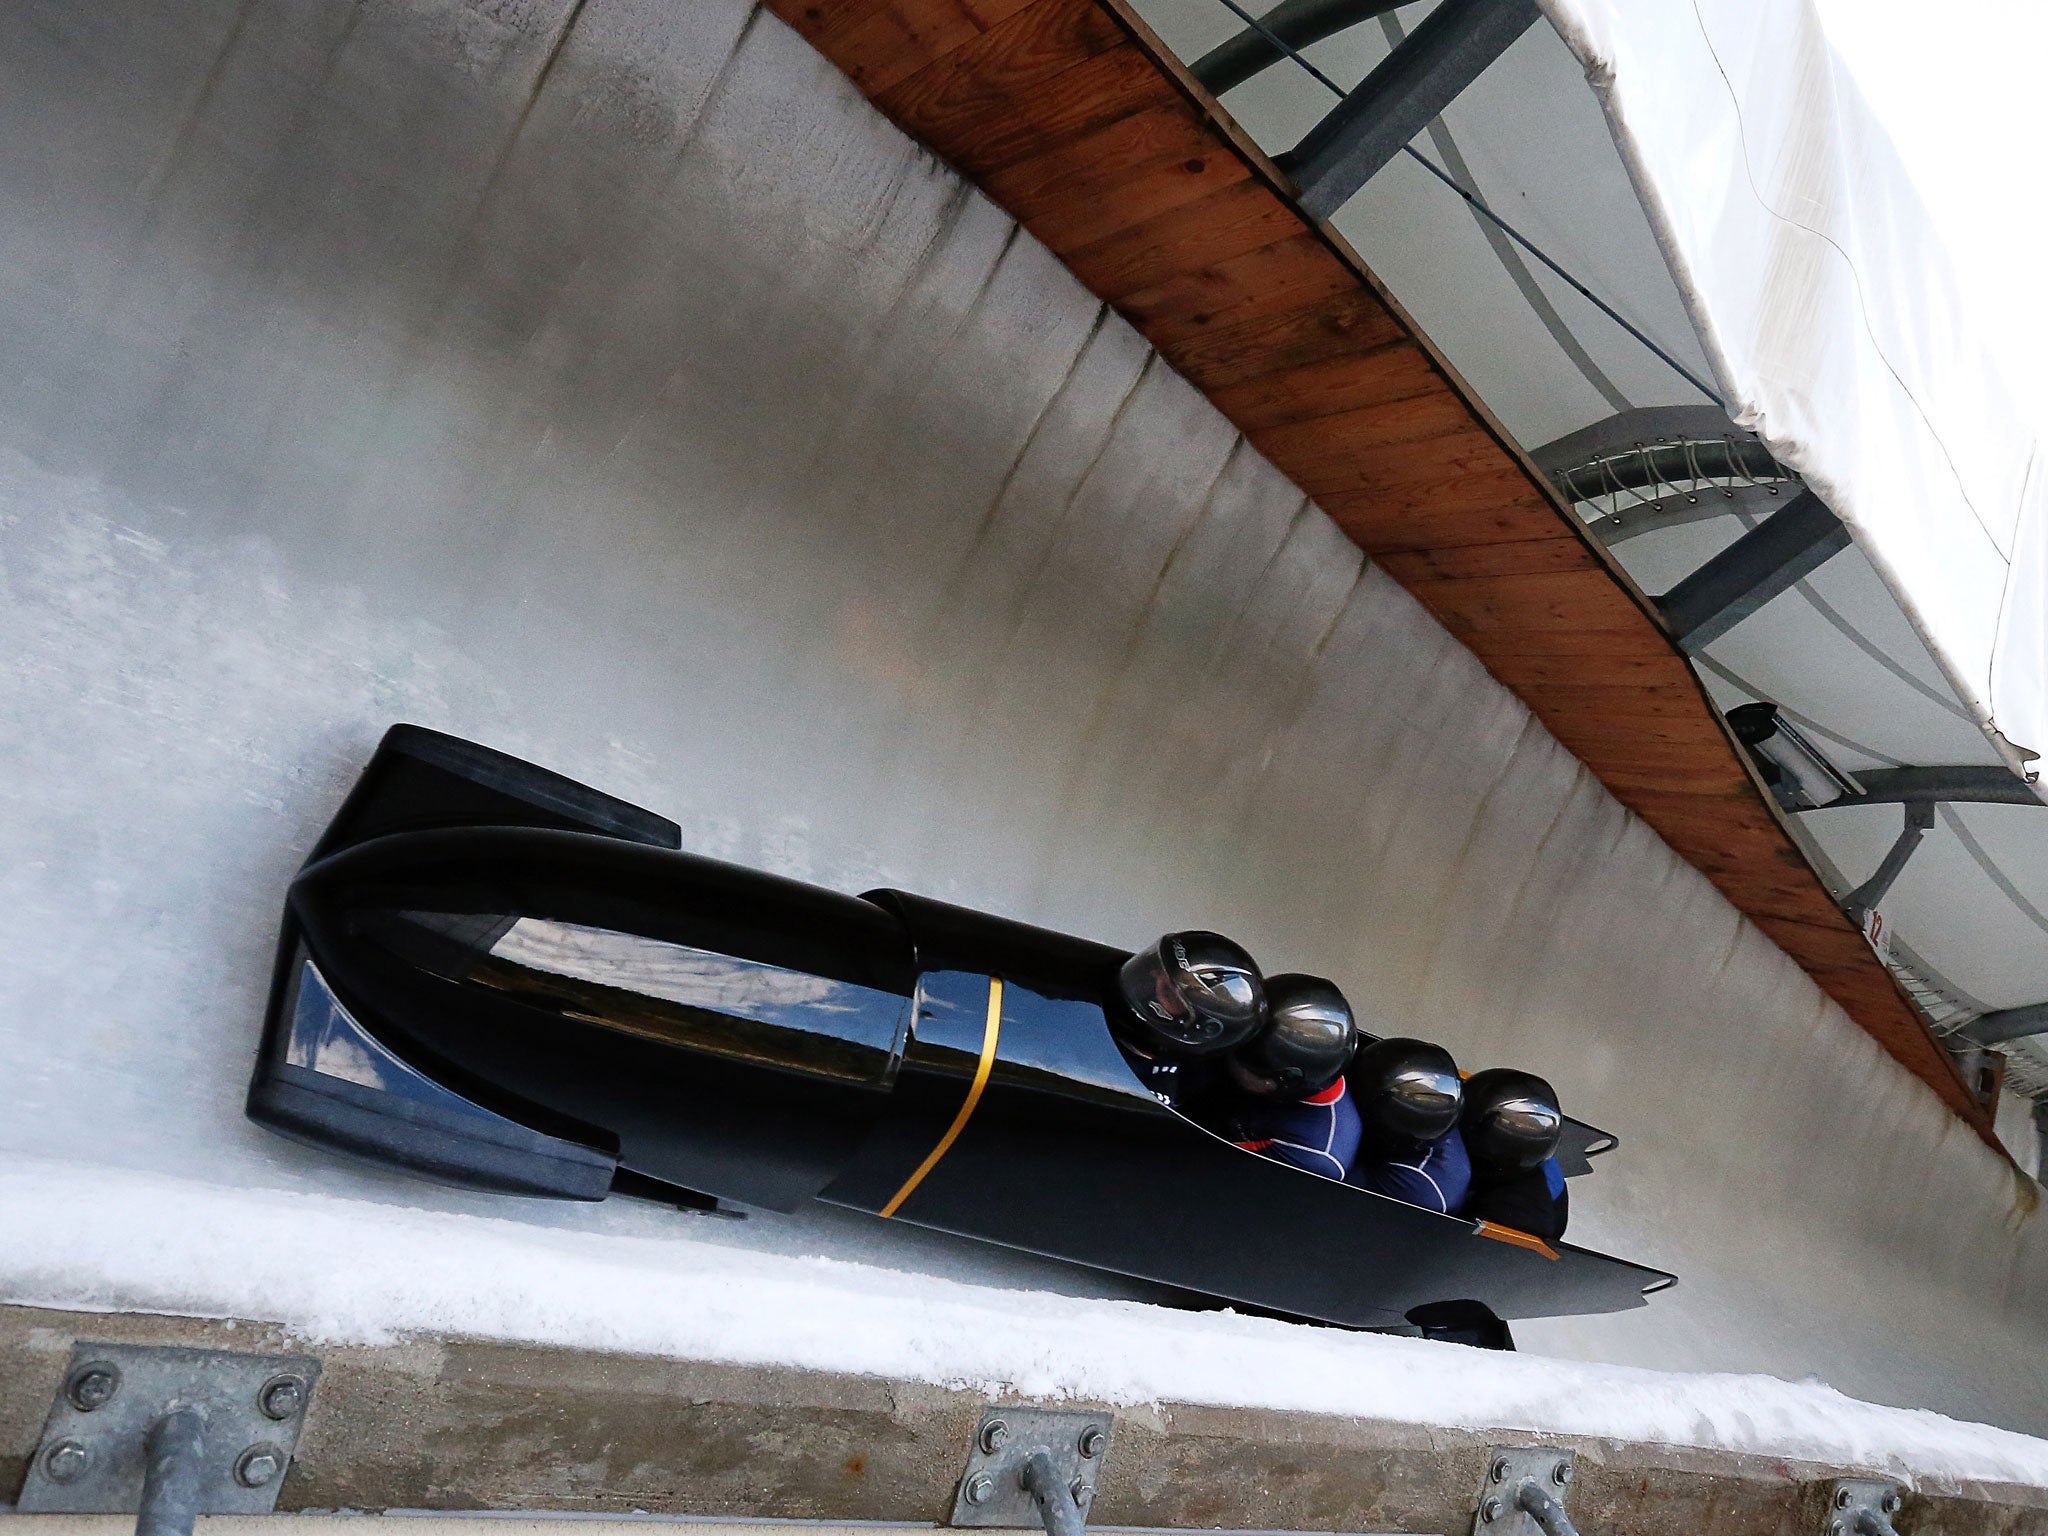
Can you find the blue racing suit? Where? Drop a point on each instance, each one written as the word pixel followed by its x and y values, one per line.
pixel 1318 1133
pixel 1196 1086
pixel 1436 1175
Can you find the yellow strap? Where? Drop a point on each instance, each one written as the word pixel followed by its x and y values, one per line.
pixel 982 1068
pixel 1515 1235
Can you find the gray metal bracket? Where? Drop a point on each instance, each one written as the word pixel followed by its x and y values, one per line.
pixel 1522 1492
pixel 2003 1024
pixel 1862 1506
pixel 1860 902
pixel 1770 559
pixel 1957 784
pixel 1033 1466
pixel 169 1432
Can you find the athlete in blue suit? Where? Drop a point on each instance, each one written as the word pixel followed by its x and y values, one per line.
pixel 1512 1125
pixel 1409 1095
pixel 1318 1133
pixel 1293 1105
pixel 1191 997
pixel 1435 1175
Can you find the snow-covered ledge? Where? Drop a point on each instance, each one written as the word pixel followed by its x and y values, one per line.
pixel 346 1272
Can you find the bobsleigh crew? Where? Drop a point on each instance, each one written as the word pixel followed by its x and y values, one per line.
pixel 1279 1066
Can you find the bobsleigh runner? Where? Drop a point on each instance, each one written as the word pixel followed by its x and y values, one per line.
pixel 494 977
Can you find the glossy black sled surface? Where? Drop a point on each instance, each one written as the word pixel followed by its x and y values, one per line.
pixel 497 978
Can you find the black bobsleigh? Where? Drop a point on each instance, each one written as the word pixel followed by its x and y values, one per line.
pixel 494 977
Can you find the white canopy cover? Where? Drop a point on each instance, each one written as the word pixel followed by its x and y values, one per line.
pixel 1830 312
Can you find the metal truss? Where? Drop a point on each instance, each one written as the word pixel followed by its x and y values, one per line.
pixel 1411 87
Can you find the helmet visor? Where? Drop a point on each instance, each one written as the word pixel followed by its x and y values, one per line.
pixel 1194 992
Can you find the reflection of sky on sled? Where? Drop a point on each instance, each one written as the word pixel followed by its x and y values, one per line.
pixel 677 973
pixel 324 1049
pixel 677 994
pixel 326 1038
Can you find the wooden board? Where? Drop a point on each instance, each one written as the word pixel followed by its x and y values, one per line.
pixel 1073 117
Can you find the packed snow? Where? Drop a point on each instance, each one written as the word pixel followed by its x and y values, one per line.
pixel 344 1271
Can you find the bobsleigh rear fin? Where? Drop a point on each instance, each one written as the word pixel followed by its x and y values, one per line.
pixel 1581 1143
pixel 420 779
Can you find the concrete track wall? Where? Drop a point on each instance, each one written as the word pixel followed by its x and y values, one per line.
pixel 460 1425
pixel 603 380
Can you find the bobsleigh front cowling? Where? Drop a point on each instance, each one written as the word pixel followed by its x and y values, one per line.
pixel 526 957
pixel 540 1003
pixel 708 1026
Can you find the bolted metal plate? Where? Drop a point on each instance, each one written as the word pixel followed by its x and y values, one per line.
pixel 1851 1497
pixel 992 1494
pixel 1494 1512
pixel 91 1457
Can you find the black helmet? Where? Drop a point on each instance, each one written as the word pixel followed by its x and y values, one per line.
pixel 1511 1119
pixel 1407 1090
pixel 1304 1047
pixel 1196 993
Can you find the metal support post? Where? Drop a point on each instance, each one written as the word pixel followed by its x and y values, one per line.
pixel 1033 1466
pixel 1537 1502
pixel 1859 902
pixel 169 1434
pixel 1862 1507
pixel 1055 1500
pixel 171 1475
pixel 1781 550
pixel 1445 53
pixel 1522 1493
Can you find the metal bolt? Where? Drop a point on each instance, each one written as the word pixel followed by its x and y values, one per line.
pixel 1561 1474
pixel 1499 1471
pixel 1082 1491
pixel 66 1461
pixel 979 1487
pixel 1092 1441
pixel 1842 1498
pixel 93 1385
pixel 281 1397
pixel 1490 1511
pixel 1892 1501
pixel 994 1434
pixel 258 1466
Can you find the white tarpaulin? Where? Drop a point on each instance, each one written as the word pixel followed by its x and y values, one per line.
pixel 1829 309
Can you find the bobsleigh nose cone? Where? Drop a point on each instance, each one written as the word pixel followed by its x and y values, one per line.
pixel 733 1032
pixel 327 1080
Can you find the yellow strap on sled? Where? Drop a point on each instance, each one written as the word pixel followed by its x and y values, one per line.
pixel 1515 1235
pixel 989 1032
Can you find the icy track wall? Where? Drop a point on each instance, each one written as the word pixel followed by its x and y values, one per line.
pixel 606 382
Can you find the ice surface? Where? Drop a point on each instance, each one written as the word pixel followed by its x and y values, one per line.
pixel 348 1271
